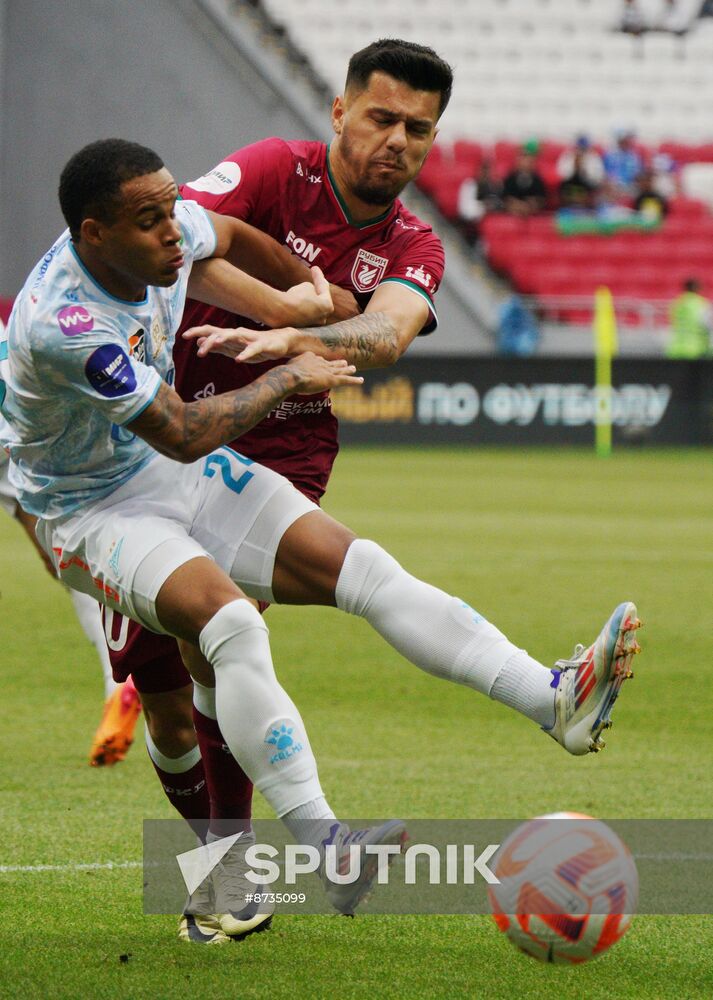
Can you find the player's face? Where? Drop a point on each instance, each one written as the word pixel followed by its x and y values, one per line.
pixel 383 135
pixel 141 245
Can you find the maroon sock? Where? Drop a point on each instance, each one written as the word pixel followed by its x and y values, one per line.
pixel 188 794
pixel 229 788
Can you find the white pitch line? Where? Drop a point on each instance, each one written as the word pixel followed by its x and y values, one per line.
pixel 90 866
pixel 110 865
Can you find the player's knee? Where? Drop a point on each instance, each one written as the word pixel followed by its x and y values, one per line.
pixel 366 570
pixel 174 737
pixel 237 626
pixel 169 720
pixel 196 664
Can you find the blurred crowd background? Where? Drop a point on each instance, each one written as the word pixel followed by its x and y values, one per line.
pixel 576 152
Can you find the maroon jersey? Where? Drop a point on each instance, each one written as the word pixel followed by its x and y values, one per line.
pixel 285 189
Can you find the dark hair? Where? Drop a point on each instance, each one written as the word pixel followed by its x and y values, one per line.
pixel 417 65
pixel 692 284
pixel 90 182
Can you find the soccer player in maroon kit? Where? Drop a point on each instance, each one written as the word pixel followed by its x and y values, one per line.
pixel 337 207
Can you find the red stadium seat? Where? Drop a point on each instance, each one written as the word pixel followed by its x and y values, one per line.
pixel 469 154
pixel 688 208
pixel 5 309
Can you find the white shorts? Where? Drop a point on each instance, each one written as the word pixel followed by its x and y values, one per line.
pixel 8 498
pixel 122 549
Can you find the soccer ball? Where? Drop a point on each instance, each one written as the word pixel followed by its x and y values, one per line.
pixel 568 887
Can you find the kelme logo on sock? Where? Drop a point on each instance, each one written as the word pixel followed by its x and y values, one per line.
pixel 280 736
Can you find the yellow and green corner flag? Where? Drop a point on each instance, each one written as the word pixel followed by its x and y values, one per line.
pixel 605 347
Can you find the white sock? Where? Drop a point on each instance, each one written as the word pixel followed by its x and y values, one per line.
pixel 258 719
pixel 440 634
pixel 89 615
pixel 525 685
pixel 311 822
pixel 204 700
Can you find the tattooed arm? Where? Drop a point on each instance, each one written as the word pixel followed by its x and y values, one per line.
pixel 187 431
pixel 375 339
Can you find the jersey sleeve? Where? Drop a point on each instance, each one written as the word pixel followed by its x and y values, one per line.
pixel 237 186
pixel 83 351
pixel 199 238
pixel 420 266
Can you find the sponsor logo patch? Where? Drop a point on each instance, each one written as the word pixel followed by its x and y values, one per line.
pixel 368 270
pixel 220 179
pixel 137 346
pixel 114 553
pixel 302 248
pixel 109 371
pixel 420 275
pixel 283 740
pixel 206 392
pixel 74 320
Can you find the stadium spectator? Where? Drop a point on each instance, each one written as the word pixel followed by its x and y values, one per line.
pixel 665 176
pixel 623 165
pixel 632 20
pixel 706 9
pixel 648 201
pixel 524 190
pixel 577 192
pixel 476 197
pixel 691 323
pixel 589 161
pixel 198 523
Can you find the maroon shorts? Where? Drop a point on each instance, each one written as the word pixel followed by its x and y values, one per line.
pixel 153 660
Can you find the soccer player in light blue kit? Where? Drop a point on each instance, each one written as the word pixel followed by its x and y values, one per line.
pixel 141 504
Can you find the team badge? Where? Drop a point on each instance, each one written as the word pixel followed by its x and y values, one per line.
pixel 368 270
pixel 158 337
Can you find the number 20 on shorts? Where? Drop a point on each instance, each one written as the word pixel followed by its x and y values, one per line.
pixel 222 462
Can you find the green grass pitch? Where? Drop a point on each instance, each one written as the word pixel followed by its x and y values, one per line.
pixel 544 543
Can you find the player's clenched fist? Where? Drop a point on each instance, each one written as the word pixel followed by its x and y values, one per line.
pixel 310 302
pixel 316 374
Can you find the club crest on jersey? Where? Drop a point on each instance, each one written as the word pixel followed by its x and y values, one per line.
pixel 158 337
pixel 368 270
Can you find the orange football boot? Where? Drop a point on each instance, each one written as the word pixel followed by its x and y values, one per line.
pixel 116 730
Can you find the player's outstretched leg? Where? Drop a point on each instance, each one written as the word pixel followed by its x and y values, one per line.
pixel 440 633
pixel 447 638
pixel 589 682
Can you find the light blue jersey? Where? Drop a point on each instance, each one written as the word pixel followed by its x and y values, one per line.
pixel 76 364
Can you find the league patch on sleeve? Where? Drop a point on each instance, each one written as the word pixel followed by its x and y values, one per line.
pixel 109 371
pixel 219 180
pixel 74 320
